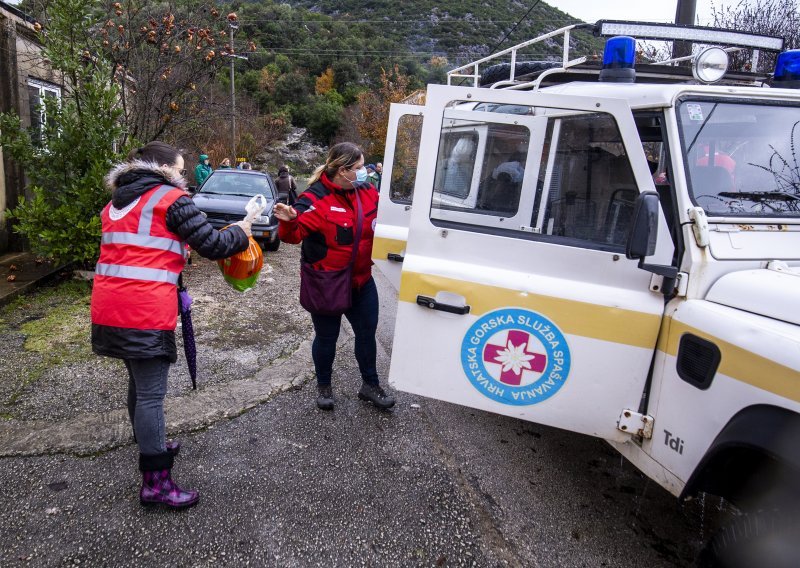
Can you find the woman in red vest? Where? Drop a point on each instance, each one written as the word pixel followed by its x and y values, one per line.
pixel 145 226
pixel 326 218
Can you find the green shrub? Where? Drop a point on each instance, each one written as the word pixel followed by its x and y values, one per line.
pixel 65 169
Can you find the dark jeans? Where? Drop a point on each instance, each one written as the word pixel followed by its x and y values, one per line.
pixel 363 316
pixel 147 387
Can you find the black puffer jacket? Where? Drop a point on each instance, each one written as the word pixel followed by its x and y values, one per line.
pixel 128 181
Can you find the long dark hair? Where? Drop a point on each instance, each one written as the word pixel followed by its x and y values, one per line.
pixel 159 152
pixel 343 154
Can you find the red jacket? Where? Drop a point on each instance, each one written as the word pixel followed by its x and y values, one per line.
pixel 140 261
pixel 326 224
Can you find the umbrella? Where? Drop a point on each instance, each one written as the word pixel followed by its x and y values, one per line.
pixel 189 347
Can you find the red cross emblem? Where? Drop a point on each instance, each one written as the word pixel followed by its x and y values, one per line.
pixel 514 357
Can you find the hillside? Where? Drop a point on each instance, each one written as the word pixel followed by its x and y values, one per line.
pixel 459 31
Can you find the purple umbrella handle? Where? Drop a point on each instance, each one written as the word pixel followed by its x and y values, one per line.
pixel 186 301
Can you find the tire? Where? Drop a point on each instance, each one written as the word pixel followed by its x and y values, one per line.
pixel 502 71
pixel 273 246
pixel 763 538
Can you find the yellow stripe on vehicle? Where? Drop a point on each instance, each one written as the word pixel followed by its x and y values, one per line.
pixel 739 363
pixel 607 323
pixel 381 247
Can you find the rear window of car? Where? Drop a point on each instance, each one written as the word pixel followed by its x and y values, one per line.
pixel 238 184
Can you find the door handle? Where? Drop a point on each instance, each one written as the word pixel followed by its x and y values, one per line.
pixel 434 305
pixel 394 257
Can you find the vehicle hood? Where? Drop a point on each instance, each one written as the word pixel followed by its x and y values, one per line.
pixel 233 204
pixel 770 292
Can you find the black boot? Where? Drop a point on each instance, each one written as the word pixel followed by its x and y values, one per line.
pixel 325 397
pixel 376 395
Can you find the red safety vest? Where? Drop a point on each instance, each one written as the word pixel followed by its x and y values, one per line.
pixel 140 261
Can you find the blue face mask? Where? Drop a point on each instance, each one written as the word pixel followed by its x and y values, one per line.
pixel 361 175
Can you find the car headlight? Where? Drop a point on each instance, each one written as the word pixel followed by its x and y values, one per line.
pixel 262 219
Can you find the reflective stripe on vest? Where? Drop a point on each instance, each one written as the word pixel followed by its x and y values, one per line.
pixel 140 240
pixel 137 273
pixel 146 217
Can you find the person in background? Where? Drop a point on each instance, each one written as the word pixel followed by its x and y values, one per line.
pixel 323 219
pixel 379 171
pixel 226 164
pixel 202 170
pixel 372 175
pixel 245 166
pixel 286 185
pixel 135 298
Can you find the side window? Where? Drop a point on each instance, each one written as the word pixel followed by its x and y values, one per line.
pixel 406 154
pixel 481 170
pixel 456 163
pixel 548 174
pixel 588 189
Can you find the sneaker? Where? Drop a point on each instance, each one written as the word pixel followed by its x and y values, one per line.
pixel 325 397
pixel 376 395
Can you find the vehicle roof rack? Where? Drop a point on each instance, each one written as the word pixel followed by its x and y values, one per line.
pixel 506 75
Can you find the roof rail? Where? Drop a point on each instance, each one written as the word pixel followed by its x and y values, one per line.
pixel 461 72
pixel 607 28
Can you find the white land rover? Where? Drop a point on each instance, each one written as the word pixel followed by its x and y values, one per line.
pixel 612 250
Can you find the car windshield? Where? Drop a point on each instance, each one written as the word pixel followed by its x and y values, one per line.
pixel 742 158
pixel 237 184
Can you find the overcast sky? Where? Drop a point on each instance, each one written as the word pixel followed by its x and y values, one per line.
pixel 641 10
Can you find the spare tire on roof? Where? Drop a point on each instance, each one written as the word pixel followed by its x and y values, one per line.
pixel 502 71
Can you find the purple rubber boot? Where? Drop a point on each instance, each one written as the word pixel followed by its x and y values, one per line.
pixel 157 485
pixel 159 489
pixel 174 447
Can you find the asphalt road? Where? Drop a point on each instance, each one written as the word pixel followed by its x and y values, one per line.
pixel 288 485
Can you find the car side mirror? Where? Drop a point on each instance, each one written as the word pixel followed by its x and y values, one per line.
pixel 644 227
pixel 642 239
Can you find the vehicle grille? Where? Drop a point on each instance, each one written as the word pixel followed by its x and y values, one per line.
pixel 226 218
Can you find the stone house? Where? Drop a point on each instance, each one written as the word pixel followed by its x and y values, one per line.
pixel 26 79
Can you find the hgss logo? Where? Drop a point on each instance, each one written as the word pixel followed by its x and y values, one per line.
pixel 515 356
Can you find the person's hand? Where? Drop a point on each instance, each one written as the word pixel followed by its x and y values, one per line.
pixel 246 227
pixel 285 212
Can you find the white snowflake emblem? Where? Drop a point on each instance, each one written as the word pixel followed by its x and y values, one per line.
pixel 514 358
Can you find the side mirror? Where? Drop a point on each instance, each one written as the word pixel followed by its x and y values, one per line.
pixel 642 239
pixel 644 227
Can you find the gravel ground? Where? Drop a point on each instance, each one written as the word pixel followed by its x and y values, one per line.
pixel 49 372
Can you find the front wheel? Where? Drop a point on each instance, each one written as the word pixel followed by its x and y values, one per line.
pixel 272 246
pixel 762 538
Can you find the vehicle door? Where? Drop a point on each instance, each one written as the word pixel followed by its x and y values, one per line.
pixel 522 302
pixel 397 189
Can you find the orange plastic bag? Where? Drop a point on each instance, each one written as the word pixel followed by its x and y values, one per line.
pixel 242 269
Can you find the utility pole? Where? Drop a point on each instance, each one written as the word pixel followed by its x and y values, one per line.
pixel 233 26
pixel 684 14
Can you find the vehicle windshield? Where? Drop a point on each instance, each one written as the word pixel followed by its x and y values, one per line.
pixel 237 184
pixel 742 158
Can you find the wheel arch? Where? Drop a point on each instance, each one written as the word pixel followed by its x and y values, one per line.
pixel 754 458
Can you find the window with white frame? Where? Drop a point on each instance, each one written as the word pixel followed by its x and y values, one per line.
pixel 38 93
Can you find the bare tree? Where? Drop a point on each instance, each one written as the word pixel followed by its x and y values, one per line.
pixel 768 17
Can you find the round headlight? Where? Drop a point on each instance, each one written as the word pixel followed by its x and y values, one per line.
pixel 710 65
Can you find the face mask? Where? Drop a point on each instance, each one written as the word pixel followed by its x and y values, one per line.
pixel 361 175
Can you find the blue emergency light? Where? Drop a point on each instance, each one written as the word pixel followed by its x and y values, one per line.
pixel 619 56
pixel 787 70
